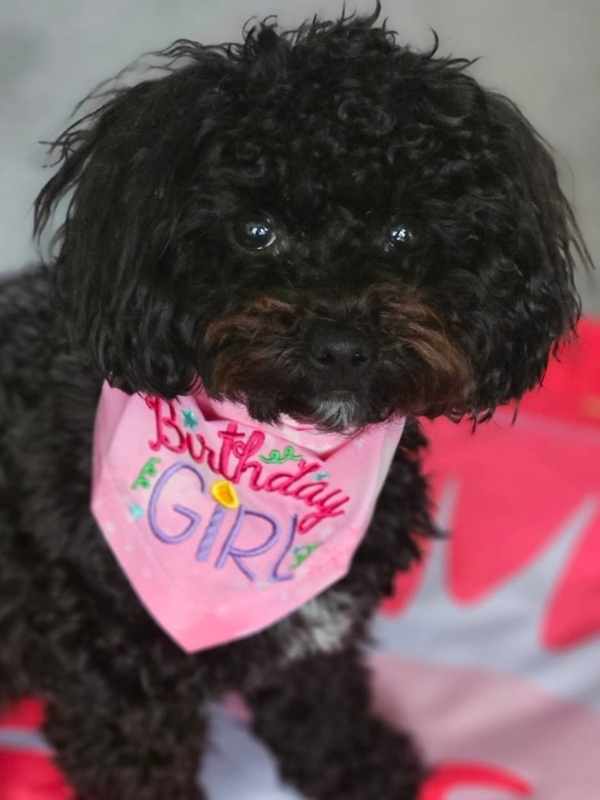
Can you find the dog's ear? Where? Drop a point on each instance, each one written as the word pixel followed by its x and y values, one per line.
pixel 524 302
pixel 126 170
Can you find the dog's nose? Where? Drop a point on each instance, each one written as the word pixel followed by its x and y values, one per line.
pixel 339 349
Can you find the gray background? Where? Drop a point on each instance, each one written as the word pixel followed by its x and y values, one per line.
pixel 543 53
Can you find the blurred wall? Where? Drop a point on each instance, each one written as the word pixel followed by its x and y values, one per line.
pixel 543 53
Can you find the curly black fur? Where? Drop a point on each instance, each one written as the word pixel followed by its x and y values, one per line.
pixel 322 223
pixel 336 133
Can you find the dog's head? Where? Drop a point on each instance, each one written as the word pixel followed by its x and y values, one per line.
pixel 321 223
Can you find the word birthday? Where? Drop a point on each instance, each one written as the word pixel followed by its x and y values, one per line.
pixel 234 459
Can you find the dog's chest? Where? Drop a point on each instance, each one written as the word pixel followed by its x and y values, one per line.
pixel 320 626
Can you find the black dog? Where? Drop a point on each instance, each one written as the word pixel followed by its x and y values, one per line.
pixel 319 223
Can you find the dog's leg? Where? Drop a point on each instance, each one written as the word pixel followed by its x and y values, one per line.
pixel 110 749
pixel 315 716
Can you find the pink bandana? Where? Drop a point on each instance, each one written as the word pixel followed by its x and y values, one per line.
pixel 222 525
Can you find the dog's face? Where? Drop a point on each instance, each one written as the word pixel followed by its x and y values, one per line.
pixel 321 224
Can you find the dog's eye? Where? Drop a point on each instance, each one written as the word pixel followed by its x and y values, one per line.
pixel 254 234
pixel 401 235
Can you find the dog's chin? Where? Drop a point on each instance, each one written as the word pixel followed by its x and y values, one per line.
pixel 341 411
pixel 332 412
pixel 338 412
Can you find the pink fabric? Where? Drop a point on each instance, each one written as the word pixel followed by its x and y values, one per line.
pixel 489 650
pixel 31 776
pixel 222 525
